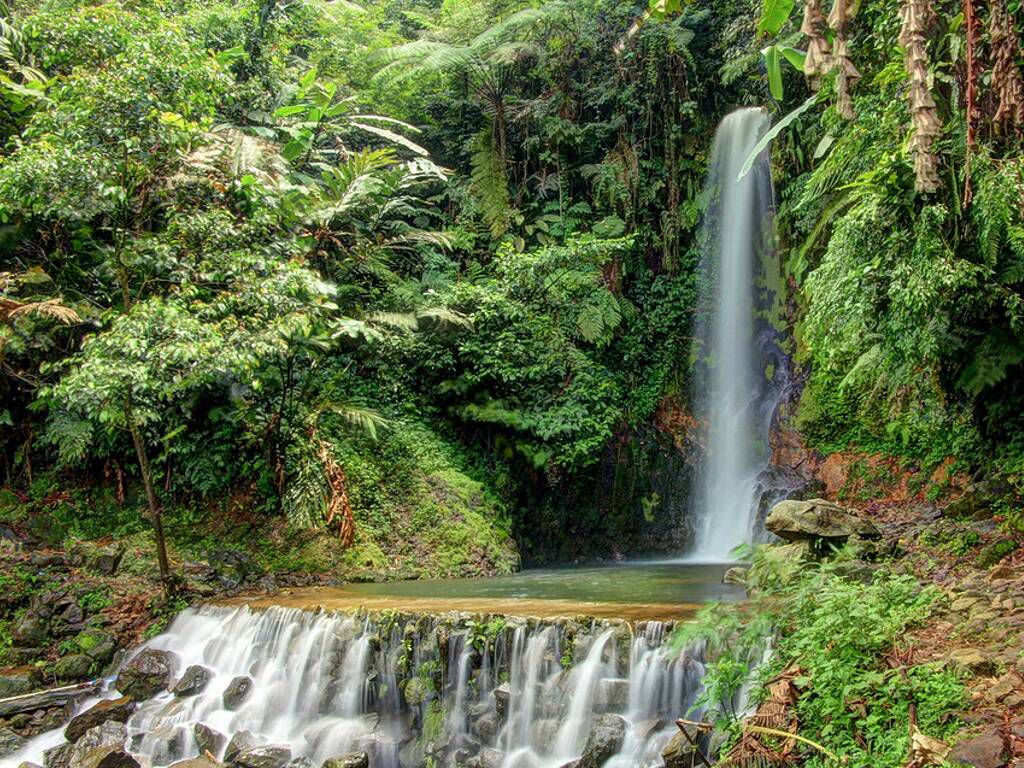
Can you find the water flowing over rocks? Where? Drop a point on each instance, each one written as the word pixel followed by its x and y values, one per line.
pixel 288 688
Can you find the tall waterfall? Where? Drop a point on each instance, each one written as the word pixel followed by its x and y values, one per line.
pixel 734 397
pixel 416 690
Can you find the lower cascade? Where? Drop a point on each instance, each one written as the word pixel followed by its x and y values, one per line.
pixel 301 687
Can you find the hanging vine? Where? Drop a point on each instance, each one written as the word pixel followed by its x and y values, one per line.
pixel 917 17
pixel 970 97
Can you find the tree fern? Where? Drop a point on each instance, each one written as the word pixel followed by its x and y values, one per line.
pixel 489 184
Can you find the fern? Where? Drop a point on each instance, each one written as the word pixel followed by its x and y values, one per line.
pixel 489 184
pixel 995 355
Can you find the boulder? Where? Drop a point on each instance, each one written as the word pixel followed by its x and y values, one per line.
pixel 116 710
pixel 147 674
pixel 351 760
pixel 27 764
pixel 272 756
pixel 984 751
pixel 207 739
pixel 543 732
pixel 502 695
pixel 193 681
pixel 195 762
pixel 411 755
pixel 10 742
pixel 73 667
pixel 237 692
pixel 604 740
pixel 486 727
pixel 107 757
pixel 680 752
pixel 301 762
pixel 242 741
pixel 31 630
pixel 94 746
pixel 233 567
pixel 737 575
pixel 14 682
pixel 57 757
pixel 817 520
pixel 98 645
pixel 490 758
pixel 612 695
pixel 416 691
pixel 105 560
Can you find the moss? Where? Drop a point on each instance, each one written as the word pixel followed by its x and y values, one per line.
pixel 995 552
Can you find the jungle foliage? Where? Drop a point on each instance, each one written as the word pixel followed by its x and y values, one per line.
pixel 242 241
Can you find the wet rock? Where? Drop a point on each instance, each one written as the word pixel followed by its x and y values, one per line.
pixel 984 751
pixel 612 695
pixel 486 727
pixel 98 645
pixel 146 675
pixel 94 746
pixel 104 757
pixel 411 755
pixel 603 741
pixel 242 741
pixel 416 691
pixel 195 762
pixel 351 760
pixel 490 758
pixel 73 667
pixel 543 733
pixel 165 744
pixel 57 757
pixel 207 739
pixel 193 681
pixel 301 762
pixel 273 756
pixel 10 742
pixel 817 520
pixel 680 752
pixel 237 692
pixel 502 695
pixel 27 764
pixel 116 710
pixel 15 682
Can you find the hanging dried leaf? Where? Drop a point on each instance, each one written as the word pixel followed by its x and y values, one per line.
pixel 917 16
pixel 1006 76
pixel 338 506
pixel 819 53
pixel 847 73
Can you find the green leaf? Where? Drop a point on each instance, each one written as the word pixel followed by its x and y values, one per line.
pixel 294 109
pixel 772 62
pixel 774 14
pixel 794 56
pixel 230 56
pixel 307 79
pixel 775 130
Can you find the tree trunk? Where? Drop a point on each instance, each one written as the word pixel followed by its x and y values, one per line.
pixel 154 507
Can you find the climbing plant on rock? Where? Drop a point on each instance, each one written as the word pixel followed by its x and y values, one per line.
pixel 917 16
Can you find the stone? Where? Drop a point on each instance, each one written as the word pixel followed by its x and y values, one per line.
pixel 57 757
pixel 193 681
pixel 604 740
pixel 195 762
pixel 30 631
pixel 105 561
pixel 14 682
pixel 351 760
pixel 817 520
pixel 416 691
pixel 103 757
pixel 73 667
pixel 486 727
pixel 491 758
pixel 973 660
pixel 232 566
pixel 612 695
pixel 147 674
pixel 301 762
pixel 272 756
pixel 27 764
pixel 117 710
pixel 984 751
pixel 95 744
pixel 736 575
pixel 543 733
pixel 242 741
pixel 165 744
pixel 207 739
pixel 237 692
pixel 411 755
pixel 680 752
pixel 98 645
pixel 1005 686
pixel 502 696
pixel 10 742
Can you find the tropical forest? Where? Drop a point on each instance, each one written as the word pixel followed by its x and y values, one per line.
pixel 511 383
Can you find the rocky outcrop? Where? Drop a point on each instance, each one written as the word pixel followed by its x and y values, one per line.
pixel 146 675
pixel 116 710
pixel 680 752
pixel 207 739
pixel 273 756
pixel 817 520
pixel 351 760
pixel 242 741
pixel 603 741
pixel 987 750
pixel 101 747
pixel 10 742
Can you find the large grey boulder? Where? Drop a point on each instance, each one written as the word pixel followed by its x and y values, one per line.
pixel 195 762
pixel 146 675
pixel 680 752
pixel 242 741
pixel 10 742
pixel 207 739
pixel 57 757
pixel 817 520
pixel 604 740
pixel 101 747
pixel 117 710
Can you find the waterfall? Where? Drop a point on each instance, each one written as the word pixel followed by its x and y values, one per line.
pixel 734 395
pixel 415 690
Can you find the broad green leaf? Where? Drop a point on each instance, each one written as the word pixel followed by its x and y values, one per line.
pixel 794 56
pixel 775 130
pixel 290 111
pixel 774 15
pixel 772 62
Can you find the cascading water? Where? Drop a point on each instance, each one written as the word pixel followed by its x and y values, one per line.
pixel 734 347
pixel 410 691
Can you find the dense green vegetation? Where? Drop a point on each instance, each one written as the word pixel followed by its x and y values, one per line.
pixel 418 267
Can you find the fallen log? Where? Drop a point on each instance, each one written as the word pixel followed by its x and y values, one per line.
pixel 52 697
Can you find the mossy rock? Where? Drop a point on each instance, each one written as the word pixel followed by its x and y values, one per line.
pixel 73 667
pixel 995 552
pixel 417 690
